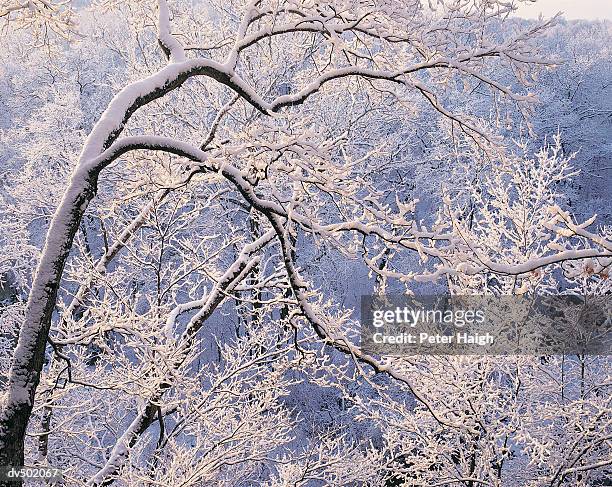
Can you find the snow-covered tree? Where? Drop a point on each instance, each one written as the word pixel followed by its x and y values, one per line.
pixel 252 152
pixel 504 420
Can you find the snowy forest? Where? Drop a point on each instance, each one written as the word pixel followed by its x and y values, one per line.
pixel 196 194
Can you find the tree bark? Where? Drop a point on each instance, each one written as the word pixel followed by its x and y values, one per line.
pixel 30 352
